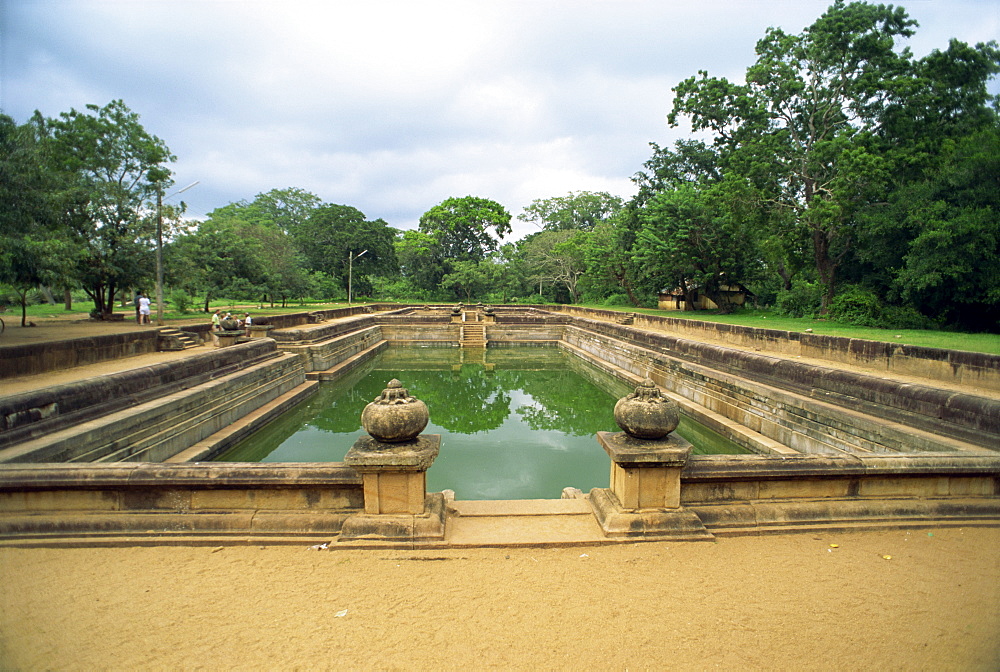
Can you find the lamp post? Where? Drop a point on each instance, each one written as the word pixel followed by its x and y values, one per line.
pixel 350 270
pixel 159 248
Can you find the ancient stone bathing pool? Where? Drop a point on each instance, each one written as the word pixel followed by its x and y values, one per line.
pixel 516 423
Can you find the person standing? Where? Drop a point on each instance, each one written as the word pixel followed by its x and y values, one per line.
pixel 144 309
pixel 216 321
pixel 247 322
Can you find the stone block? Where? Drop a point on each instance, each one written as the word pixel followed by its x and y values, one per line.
pixel 728 491
pixel 616 521
pixel 282 499
pixel 936 486
pixel 394 492
pixel 974 486
pixel 804 488
pixel 59 500
pixel 151 499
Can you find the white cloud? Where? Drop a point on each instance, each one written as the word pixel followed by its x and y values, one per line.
pixel 394 106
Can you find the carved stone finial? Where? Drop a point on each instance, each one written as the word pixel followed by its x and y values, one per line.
pixel 646 414
pixel 394 415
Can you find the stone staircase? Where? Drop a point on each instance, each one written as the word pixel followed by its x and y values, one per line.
pixel 174 339
pixel 473 335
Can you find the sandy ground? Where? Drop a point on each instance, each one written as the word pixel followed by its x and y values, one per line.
pixel 780 602
pixel 790 602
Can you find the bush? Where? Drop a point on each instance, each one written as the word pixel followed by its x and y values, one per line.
pixel 802 300
pixel 617 300
pixel 858 305
pixel 905 317
pixel 862 307
pixel 182 301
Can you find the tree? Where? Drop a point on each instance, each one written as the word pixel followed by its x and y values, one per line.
pixel 113 167
pixel 468 278
pixel 690 241
pixel 582 210
pixel 421 259
pixel 467 228
pixel 951 267
pixel 34 249
pixel 558 257
pixel 333 232
pixel 803 126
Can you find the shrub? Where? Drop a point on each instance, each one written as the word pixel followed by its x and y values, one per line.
pixel 802 300
pixel 858 305
pixel 182 301
pixel 617 300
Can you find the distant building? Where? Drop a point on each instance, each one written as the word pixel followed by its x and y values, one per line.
pixel 674 299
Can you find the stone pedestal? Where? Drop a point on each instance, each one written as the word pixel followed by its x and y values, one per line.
pixel 645 494
pixel 394 474
pixel 646 473
pixel 260 331
pixel 222 339
pixel 395 486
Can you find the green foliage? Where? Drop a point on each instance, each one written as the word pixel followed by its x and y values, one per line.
pixel 112 168
pixel 582 210
pixel 181 301
pixel 467 228
pixel 859 305
pixel 803 299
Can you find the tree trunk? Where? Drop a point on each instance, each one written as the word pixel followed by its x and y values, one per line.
pixel 68 299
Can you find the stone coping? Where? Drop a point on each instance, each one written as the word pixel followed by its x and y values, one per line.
pixel 628 451
pixel 213 475
pixel 755 467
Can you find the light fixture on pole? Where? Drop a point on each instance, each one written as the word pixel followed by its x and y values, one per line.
pixel 159 248
pixel 350 270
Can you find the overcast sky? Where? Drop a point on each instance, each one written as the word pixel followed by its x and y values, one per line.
pixel 391 107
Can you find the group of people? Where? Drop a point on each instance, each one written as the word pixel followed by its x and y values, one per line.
pixel 218 318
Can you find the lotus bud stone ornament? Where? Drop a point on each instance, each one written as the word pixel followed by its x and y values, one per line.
pixel 395 416
pixel 646 414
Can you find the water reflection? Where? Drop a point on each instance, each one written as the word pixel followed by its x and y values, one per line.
pixel 516 423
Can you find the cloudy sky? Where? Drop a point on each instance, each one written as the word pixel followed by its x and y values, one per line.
pixel 391 107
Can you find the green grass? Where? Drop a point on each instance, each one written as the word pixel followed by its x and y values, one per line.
pixel 764 319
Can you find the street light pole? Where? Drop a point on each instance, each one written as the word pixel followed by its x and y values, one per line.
pixel 350 270
pixel 159 248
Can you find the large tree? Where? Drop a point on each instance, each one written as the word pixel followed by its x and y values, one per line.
pixel 340 241
pixel 34 248
pixel 468 228
pixel 691 240
pixel 114 169
pixel 803 125
pixel 582 210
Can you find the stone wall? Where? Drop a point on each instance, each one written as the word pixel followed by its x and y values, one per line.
pixel 23 360
pixel 966 368
pixel 146 414
pixel 165 500
pixel 963 416
pixel 753 494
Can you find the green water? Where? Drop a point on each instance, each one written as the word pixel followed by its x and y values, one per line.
pixel 516 423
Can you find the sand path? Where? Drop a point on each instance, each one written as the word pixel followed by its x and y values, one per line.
pixel 789 602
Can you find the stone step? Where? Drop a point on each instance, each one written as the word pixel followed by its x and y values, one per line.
pixel 529 522
pixel 175 339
